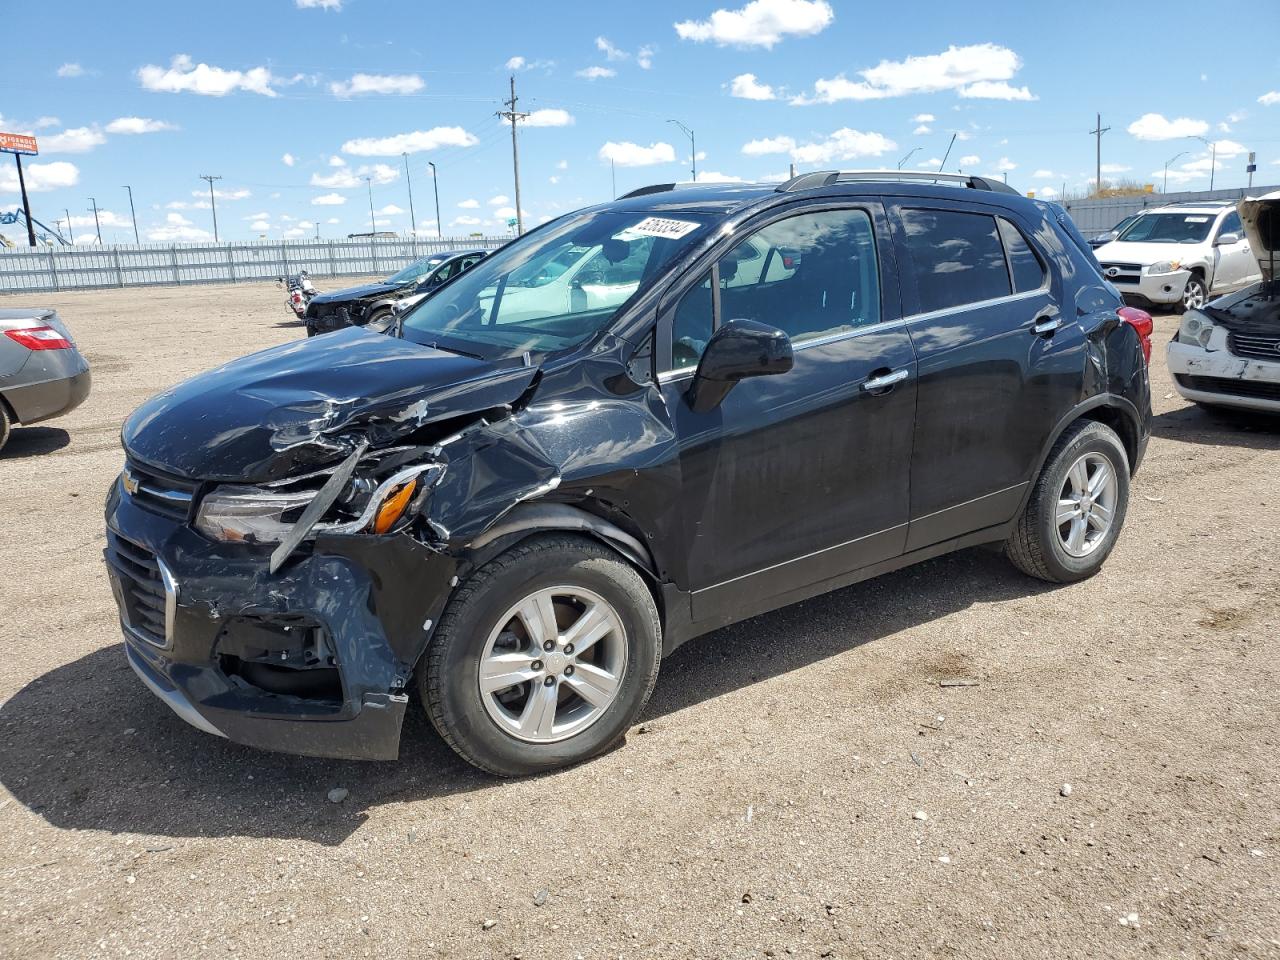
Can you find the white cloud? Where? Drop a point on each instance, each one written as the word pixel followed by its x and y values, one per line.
pixel 1005 165
pixel 318 4
pixel 390 210
pixel 336 161
pixel 108 218
pixel 843 144
pixel 415 142
pixel 761 23
pixel 182 76
pixel 596 73
pixel 1042 174
pixel 504 213
pixel 976 71
pixel 137 125
pixel 467 221
pixel 253 216
pixel 238 194
pixel 74 140
pixel 333 220
pixel 71 70
pixel 378 83
pixel 562 165
pixel 515 63
pixel 1154 126
pixel 294 233
pixel 470 204
pixel 1270 99
pixel 288 160
pixel 177 227
pixel 1115 168
pixel 548 117
pixel 42 122
pixel 710 176
pixel 922 129
pixel 500 200
pixel 627 154
pixel 328 200
pixel 644 57
pixel 923 118
pixel 1046 193
pixel 260 225
pixel 1228 149
pixel 971 160
pixel 745 86
pixel 610 51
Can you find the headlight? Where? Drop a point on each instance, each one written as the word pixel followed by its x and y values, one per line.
pixel 1195 328
pixel 374 501
pixel 1164 266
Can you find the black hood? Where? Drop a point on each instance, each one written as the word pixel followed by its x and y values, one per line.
pixel 307 404
pixel 379 289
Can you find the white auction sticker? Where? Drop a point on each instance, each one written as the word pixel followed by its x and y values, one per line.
pixel 662 227
pixel 1196 219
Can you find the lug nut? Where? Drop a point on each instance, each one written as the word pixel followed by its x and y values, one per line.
pixel 550 681
pixel 537 665
pixel 549 645
pixel 568 648
pixel 568 671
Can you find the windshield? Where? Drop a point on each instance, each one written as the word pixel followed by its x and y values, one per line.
pixel 553 288
pixel 416 270
pixel 1168 228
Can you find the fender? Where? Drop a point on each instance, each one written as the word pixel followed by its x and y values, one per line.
pixel 529 518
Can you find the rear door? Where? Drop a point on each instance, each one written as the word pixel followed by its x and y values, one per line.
pixel 999 361
pixel 797 478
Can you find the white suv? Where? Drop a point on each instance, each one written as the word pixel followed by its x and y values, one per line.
pixel 1181 255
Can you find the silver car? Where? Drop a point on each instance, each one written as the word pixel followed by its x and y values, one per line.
pixel 42 374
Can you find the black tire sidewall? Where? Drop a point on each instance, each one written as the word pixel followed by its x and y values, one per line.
pixel 6 427
pixel 451 680
pixel 1094 439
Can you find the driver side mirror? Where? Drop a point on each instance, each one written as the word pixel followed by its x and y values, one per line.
pixel 1226 239
pixel 739 349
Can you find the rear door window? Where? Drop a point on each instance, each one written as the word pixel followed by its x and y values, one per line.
pixel 1025 268
pixel 957 258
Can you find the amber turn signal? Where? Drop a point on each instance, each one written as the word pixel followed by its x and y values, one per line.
pixel 393 507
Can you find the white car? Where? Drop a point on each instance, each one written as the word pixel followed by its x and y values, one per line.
pixel 1181 255
pixel 1227 352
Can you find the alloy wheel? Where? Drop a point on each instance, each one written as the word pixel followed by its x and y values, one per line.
pixel 553 665
pixel 1086 504
pixel 1193 296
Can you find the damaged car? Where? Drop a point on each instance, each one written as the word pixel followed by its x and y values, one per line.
pixel 1227 352
pixel 772 392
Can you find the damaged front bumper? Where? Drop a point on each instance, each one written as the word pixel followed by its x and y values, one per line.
pixel 1219 377
pixel 312 660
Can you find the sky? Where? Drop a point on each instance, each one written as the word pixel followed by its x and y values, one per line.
pixel 304 106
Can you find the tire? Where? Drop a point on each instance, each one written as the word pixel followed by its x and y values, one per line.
pixel 1042 548
pixel 378 316
pixel 497 729
pixel 6 427
pixel 1194 294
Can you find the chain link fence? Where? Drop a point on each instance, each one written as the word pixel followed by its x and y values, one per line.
pixel 1095 216
pixel 50 269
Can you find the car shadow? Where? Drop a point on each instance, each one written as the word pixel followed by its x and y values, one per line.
pixel 87 748
pixel 1218 426
pixel 34 441
pixel 290 324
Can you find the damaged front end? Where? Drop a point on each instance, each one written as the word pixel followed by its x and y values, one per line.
pixel 278 578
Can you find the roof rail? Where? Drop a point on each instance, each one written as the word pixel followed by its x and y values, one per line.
pixel 1201 203
pixel 825 178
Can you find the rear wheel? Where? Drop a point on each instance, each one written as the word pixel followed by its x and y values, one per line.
pixel 6 426
pixel 544 657
pixel 1077 506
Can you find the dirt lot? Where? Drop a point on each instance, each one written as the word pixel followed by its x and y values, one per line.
pixel 767 806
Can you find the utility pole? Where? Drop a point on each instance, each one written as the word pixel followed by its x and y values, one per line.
pixel 413 220
pixel 96 222
pixel 693 148
pixel 373 221
pixel 435 186
pixel 1097 132
pixel 511 114
pixel 133 213
pixel 914 151
pixel 213 203
pixel 1213 156
pixel 69 233
pixel 1167 164
pixel 26 204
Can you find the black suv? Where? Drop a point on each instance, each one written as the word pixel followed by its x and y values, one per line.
pixel 532 490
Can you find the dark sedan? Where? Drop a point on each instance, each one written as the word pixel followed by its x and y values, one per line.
pixel 372 304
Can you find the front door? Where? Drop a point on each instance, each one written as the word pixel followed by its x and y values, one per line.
pixel 1235 264
pixel 798 478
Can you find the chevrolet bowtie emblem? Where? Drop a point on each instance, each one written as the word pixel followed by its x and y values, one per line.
pixel 130 482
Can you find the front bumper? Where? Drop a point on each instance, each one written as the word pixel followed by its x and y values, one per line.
pixel 208 612
pixel 1219 377
pixel 1158 288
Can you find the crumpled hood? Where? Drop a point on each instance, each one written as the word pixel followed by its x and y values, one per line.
pixel 1146 253
pixel 305 405
pixel 1263 231
pixel 357 293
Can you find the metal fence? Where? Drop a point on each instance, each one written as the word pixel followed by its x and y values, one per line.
pixel 1095 216
pixel 42 270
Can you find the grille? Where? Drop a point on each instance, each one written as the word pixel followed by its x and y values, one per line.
pixel 1249 345
pixel 142 588
pixel 161 493
pixel 1258 389
pixel 1129 272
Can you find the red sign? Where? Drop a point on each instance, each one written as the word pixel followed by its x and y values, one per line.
pixel 18 143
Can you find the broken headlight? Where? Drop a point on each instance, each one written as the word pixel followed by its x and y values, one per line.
pixel 1195 328
pixel 375 500
pixel 1165 266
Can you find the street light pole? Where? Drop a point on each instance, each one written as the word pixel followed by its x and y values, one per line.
pixel 373 221
pixel 693 148
pixel 914 151
pixel 97 225
pixel 1213 156
pixel 1168 163
pixel 133 213
pixel 435 186
pixel 413 220
pixel 213 203
pixel 71 236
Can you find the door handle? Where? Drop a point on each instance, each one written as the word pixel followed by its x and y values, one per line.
pixel 1044 326
pixel 885 381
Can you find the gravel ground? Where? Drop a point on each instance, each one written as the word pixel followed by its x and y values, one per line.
pixel 802 784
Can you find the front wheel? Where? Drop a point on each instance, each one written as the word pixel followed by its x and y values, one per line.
pixel 1194 294
pixel 1077 507
pixel 543 658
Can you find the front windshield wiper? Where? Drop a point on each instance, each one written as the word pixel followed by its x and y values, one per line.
pixel 461 353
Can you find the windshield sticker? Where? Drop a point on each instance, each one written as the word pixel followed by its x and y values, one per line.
pixel 1196 219
pixel 662 227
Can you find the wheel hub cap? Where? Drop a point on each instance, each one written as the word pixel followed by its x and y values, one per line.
pixel 1086 504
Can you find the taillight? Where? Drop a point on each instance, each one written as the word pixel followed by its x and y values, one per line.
pixel 39 338
pixel 297 297
pixel 1141 321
